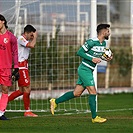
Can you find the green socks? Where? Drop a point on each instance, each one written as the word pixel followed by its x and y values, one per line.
pixel 92 103
pixel 67 96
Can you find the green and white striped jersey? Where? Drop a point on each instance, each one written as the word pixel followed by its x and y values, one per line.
pixel 92 48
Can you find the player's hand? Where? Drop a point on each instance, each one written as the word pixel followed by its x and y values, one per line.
pixel 96 60
pixel 15 74
pixel 35 34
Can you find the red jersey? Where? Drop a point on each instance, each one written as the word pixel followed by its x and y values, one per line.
pixel 8 50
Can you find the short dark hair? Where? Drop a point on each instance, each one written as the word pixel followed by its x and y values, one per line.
pixel 29 28
pixel 102 26
pixel 2 18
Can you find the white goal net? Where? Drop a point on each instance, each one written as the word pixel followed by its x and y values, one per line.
pixel 63 26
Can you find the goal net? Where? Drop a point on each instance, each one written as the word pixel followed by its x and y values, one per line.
pixel 62 28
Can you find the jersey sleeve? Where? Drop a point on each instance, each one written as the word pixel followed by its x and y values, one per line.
pixel 22 41
pixel 88 45
pixel 14 51
pixel 82 52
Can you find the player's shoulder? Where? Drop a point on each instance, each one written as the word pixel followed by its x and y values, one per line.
pixel 10 33
pixel 12 37
pixel 95 39
pixel 92 40
pixel 21 38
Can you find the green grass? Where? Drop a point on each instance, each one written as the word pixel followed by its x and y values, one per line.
pixel 117 108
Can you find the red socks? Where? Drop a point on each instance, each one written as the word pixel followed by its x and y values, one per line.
pixel 3 102
pixel 14 95
pixel 26 99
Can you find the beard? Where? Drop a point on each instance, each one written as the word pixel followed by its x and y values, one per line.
pixel 106 37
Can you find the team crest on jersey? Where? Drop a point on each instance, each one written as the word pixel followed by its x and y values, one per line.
pixel 22 39
pixel 6 40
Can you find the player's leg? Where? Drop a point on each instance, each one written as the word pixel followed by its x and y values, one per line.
pixel 5 81
pixel 71 94
pixel 19 92
pixel 24 84
pixel 26 100
pixel 86 76
pixel 67 96
pixel 92 100
pixel 3 102
pixel 92 103
pixel 90 86
pixel 26 97
pixel 14 95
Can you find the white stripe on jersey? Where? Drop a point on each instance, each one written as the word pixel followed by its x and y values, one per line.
pixel 23 68
pixel 88 65
pixel 90 55
pixel 85 48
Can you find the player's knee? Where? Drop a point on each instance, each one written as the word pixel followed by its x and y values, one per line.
pixel 91 90
pixel 27 89
pixel 4 90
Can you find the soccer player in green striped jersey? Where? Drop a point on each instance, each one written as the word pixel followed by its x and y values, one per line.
pixel 90 52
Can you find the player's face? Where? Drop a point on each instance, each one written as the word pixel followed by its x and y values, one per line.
pixel 1 24
pixel 30 36
pixel 106 33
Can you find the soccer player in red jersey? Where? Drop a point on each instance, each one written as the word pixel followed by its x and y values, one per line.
pixel 25 42
pixel 8 57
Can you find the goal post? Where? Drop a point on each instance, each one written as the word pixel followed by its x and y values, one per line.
pixel 93 26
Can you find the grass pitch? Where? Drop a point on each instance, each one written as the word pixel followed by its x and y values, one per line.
pixel 117 108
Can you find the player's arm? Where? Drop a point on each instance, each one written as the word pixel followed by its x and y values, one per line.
pixel 32 43
pixel 14 51
pixel 82 52
pixel 15 73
